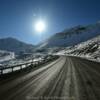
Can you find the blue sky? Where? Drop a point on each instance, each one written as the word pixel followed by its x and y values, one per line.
pixel 17 17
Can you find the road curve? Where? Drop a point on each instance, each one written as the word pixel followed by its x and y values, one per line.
pixel 68 78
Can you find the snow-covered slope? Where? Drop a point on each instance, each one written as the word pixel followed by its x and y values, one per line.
pixel 72 36
pixel 88 49
pixel 5 56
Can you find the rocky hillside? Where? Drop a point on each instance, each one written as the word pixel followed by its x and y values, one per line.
pixel 88 49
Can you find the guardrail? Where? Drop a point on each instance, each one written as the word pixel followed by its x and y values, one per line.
pixel 10 69
pixel 4 70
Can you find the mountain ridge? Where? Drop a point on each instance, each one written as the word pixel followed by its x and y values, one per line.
pixel 72 36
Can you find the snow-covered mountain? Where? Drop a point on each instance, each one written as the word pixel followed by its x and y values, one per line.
pixel 89 49
pixel 14 45
pixel 72 36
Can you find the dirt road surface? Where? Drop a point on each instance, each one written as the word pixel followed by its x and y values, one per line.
pixel 67 78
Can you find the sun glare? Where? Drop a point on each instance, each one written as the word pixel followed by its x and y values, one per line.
pixel 40 26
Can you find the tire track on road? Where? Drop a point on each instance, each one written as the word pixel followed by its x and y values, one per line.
pixel 90 94
pixel 27 87
pixel 89 72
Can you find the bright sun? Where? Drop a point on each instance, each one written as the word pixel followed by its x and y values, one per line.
pixel 40 26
